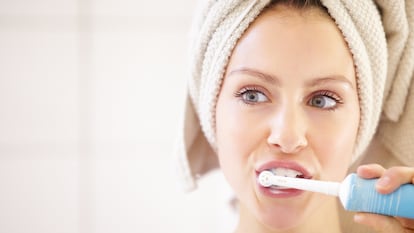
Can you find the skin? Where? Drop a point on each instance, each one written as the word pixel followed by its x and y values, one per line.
pixel 282 122
pixel 288 92
pixel 390 180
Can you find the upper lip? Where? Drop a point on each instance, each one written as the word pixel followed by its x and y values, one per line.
pixel 284 164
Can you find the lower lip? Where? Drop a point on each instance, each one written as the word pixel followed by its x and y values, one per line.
pixel 279 193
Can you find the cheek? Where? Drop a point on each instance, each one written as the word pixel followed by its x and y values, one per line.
pixel 334 144
pixel 229 135
pixel 237 137
pixel 239 131
pixel 228 148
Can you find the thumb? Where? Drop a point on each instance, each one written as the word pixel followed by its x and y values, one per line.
pixel 380 223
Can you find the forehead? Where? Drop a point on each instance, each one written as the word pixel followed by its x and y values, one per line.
pixel 289 42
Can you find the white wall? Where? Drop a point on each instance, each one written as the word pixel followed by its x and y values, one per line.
pixel 90 97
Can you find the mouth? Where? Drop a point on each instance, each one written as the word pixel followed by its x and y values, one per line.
pixel 286 172
pixel 283 168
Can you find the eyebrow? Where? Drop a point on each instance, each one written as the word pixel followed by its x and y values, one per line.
pixel 332 78
pixel 256 73
pixel 272 79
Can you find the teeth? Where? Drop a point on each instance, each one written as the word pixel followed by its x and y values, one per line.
pixel 286 172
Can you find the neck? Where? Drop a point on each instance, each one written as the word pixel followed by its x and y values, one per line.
pixel 324 219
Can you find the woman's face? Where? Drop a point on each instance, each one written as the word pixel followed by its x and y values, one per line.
pixel 289 104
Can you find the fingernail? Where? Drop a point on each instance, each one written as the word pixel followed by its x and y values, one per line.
pixel 384 181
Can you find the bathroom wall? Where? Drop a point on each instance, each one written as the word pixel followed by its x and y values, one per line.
pixel 90 100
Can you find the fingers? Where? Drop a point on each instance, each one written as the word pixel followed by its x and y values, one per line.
pixel 407 223
pixel 385 224
pixel 393 178
pixel 390 179
pixel 379 223
pixel 370 171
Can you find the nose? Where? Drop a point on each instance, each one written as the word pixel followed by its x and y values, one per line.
pixel 288 131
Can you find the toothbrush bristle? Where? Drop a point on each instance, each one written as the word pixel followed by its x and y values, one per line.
pixel 264 178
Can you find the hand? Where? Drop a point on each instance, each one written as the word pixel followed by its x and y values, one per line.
pixel 390 179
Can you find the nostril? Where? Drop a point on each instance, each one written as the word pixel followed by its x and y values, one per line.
pixel 287 145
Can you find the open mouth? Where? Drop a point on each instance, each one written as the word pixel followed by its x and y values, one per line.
pixel 281 171
pixel 291 172
pixel 285 168
pixel 286 172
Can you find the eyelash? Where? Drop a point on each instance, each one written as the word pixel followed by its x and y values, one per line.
pixel 338 100
pixel 239 94
pixel 329 94
pixel 244 90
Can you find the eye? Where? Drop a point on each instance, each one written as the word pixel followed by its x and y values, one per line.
pixel 325 100
pixel 251 96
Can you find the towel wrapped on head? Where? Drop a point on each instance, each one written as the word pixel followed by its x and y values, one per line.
pixel 380 36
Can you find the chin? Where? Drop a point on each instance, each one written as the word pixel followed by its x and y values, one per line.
pixel 283 219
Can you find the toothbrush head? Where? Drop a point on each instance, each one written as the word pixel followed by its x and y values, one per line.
pixel 265 178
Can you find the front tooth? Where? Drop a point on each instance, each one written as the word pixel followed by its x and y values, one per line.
pixel 285 172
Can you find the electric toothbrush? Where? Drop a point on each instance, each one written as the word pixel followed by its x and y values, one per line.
pixel 355 193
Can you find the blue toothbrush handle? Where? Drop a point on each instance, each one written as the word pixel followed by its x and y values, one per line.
pixel 363 197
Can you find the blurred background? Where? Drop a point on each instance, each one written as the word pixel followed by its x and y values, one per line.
pixel 91 93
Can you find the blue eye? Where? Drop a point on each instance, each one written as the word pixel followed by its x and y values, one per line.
pixel 325 100
pixel 254 97
pixel 251 96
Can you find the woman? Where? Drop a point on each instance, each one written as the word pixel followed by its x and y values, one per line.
pixel 294 87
